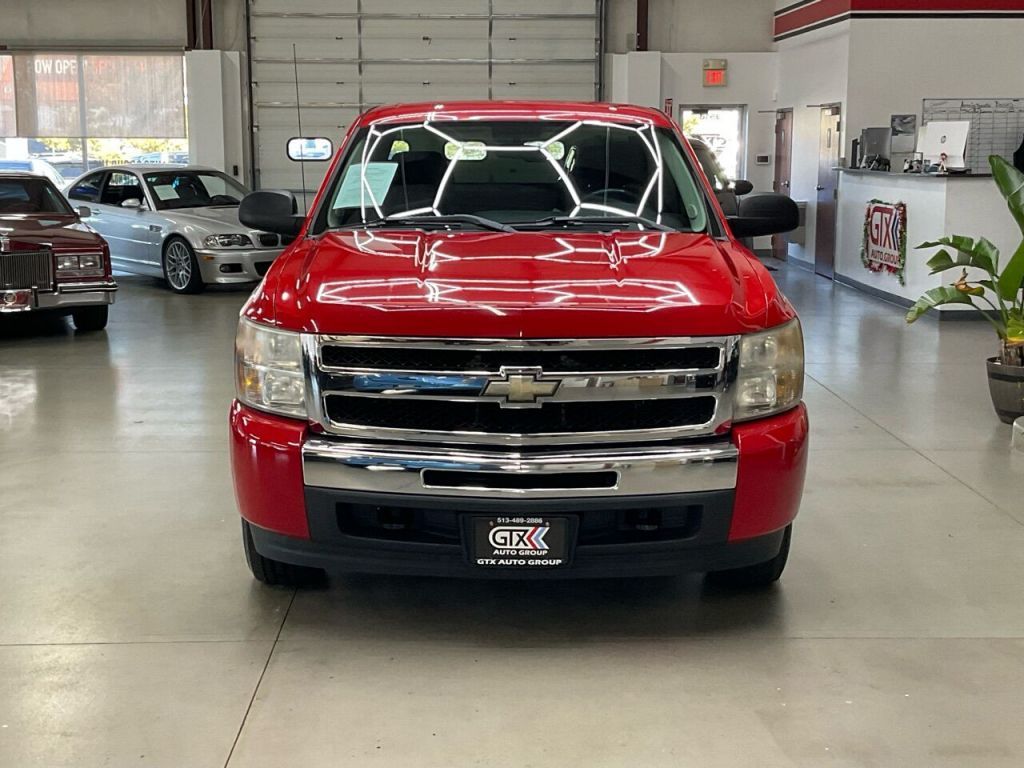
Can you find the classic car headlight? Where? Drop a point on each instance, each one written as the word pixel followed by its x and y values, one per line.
pixel 79 265
pixel 771 372
pixel 227 241
pixel 268 369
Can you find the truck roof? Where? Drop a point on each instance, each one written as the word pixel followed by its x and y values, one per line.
pixel 565 110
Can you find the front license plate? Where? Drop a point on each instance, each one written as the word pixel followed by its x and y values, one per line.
pixel 520 542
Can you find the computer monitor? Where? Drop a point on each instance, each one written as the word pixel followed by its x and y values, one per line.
pixel 947 137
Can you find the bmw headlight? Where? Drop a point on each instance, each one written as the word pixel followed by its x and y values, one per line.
pixel 227 241
pixel 268 369
pixel 771 372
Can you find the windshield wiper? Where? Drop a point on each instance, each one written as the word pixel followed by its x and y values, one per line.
pixel 430 218
pixel 555 221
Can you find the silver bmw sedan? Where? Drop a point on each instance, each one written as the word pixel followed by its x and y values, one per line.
pixel 176 222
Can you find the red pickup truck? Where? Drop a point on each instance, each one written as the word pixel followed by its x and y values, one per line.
pixel 518 340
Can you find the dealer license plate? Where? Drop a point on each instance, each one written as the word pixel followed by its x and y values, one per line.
pixel 520 542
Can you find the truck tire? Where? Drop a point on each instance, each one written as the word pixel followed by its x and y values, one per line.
pixel 274 572
pixel 90 318
pixel 181 268
pixel 759 575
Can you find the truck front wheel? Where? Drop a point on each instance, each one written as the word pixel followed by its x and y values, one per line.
pixel 274 572
pixel 759 575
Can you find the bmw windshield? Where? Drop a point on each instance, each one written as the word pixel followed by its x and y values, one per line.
pixel 521 174
pixel 193 189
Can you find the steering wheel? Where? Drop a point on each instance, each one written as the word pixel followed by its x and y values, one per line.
pixel 616 193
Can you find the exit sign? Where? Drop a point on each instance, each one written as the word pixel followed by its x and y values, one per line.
pixel 716 73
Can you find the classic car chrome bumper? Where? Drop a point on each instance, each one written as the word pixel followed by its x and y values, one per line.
pixel 67 296
pixel 226 265
pixel 388 469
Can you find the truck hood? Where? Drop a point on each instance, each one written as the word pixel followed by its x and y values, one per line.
pixel 521 285
pixel 56 231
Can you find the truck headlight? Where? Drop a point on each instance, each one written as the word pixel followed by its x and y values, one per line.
pixel 268 369
pixel 771 372
pixel 227 241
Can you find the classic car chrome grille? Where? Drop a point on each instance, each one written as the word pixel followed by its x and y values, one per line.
pixel 516 392
pixel 26 269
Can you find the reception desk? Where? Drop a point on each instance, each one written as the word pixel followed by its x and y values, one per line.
pixel 935 206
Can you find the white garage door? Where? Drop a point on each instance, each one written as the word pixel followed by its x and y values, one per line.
pixel 354 54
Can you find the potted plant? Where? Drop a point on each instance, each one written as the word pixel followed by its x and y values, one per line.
pixel 1002 293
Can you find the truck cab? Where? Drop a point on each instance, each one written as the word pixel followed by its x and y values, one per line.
pixel 518 340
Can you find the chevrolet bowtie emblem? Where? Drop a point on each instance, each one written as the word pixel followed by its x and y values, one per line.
pixel 521 386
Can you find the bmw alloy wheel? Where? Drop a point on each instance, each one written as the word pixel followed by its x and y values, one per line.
pixel 178 265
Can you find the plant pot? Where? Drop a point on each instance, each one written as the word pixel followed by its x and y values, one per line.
pixel 1006 384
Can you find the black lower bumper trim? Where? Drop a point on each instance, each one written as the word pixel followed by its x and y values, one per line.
pixel 699 549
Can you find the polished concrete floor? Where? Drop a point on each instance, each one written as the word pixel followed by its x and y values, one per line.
pixel 132 634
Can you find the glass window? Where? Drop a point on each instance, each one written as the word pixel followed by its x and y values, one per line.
pixel 28 196
pixel 517 172
pixel 723 129
pixel 193 189
pixel 121 186
pixel 87 189
pixel 8 125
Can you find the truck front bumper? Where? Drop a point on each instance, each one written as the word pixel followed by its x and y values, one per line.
pixel 396 509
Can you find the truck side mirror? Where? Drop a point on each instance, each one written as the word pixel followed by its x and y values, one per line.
pixel 271 211
pixel 766 214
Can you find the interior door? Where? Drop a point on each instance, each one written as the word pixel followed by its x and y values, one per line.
pixel 783 172
pixel 829 148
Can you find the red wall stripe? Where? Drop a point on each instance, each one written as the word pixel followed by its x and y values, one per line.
pixel 787 22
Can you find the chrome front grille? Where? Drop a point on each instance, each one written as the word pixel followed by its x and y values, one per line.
pixel 26 269
pixel 520 393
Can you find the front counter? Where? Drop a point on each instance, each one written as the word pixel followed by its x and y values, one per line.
pixel 934 206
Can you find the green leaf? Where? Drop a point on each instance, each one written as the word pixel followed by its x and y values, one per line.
pixel 941 261
pixel 1011 184
pixel 1009 283
pixel 936 297
pixel 981 254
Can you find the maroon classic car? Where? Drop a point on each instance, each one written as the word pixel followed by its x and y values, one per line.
pixel 49 260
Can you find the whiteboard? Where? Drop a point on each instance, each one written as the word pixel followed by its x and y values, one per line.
pixel 997 126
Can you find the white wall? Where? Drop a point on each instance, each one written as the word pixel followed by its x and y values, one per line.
pixel 751 82
pixel 966 58
pixel 217 134
pixel 694 25
pixel 96 22
pixel 813 69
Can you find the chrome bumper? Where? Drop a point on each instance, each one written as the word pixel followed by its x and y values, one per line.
pixel 646 471
pixel 69 296
pixel 211 260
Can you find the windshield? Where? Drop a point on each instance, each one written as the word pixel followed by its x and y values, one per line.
pixel 193 189
pixel 518 173
pixel 31 196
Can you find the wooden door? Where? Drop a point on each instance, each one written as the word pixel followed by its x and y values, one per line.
pixel 783 172
pixel 828 183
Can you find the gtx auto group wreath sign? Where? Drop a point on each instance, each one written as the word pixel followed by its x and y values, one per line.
pixel 885 238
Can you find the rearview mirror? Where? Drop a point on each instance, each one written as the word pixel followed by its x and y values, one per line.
pixel 742 187
pixel 765 214
pixel 271 211
pixel 310 148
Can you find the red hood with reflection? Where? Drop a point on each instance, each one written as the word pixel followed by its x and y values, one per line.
pixel 522 285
